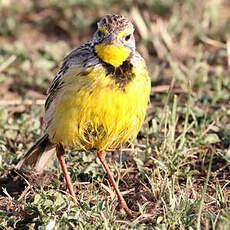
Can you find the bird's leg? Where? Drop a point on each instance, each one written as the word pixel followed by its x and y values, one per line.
pixel 101 155
pixel 61 159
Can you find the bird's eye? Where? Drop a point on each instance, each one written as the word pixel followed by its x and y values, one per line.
pixel 100 33
pixel 127 37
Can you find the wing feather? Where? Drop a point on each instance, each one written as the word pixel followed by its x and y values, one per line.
pixel 82 57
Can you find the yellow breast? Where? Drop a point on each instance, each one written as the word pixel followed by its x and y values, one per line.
pixel 91 111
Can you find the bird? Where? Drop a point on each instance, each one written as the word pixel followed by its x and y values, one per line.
pixel 96 102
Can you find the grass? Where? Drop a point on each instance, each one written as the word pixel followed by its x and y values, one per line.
pixel 176 174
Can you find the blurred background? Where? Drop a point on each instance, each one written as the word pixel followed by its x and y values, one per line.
pixel 186 45
pixel 185 40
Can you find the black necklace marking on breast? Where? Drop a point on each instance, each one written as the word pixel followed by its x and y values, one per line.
pixel 122 74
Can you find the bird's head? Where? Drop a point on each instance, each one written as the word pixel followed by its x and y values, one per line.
pixel 114 40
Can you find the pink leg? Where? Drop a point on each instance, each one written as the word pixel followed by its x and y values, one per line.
pixel 101 155
pixel 61 159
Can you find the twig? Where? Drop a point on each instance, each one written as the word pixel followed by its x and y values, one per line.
pixel 9 61
pixel 209 128
pixel 160 89
pixel 140 23
pixel 22 102
pixel 28 183
pixel 228 52
pixel 24 193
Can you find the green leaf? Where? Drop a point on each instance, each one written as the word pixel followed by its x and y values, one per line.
pixel 211 138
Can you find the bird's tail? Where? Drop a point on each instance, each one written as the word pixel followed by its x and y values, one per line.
pixel 38 155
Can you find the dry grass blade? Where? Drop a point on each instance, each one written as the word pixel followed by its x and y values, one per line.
pixel 176 175
pixel 204 192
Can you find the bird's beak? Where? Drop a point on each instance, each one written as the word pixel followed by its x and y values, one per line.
pixel 112 40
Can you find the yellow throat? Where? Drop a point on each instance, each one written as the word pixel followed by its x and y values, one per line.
pixel 114 55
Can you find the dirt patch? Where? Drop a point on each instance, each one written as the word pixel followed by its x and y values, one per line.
pixel 17 181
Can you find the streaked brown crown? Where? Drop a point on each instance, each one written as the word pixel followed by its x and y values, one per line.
pixel 115 23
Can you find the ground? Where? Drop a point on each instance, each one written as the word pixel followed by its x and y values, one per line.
pixel 176 173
